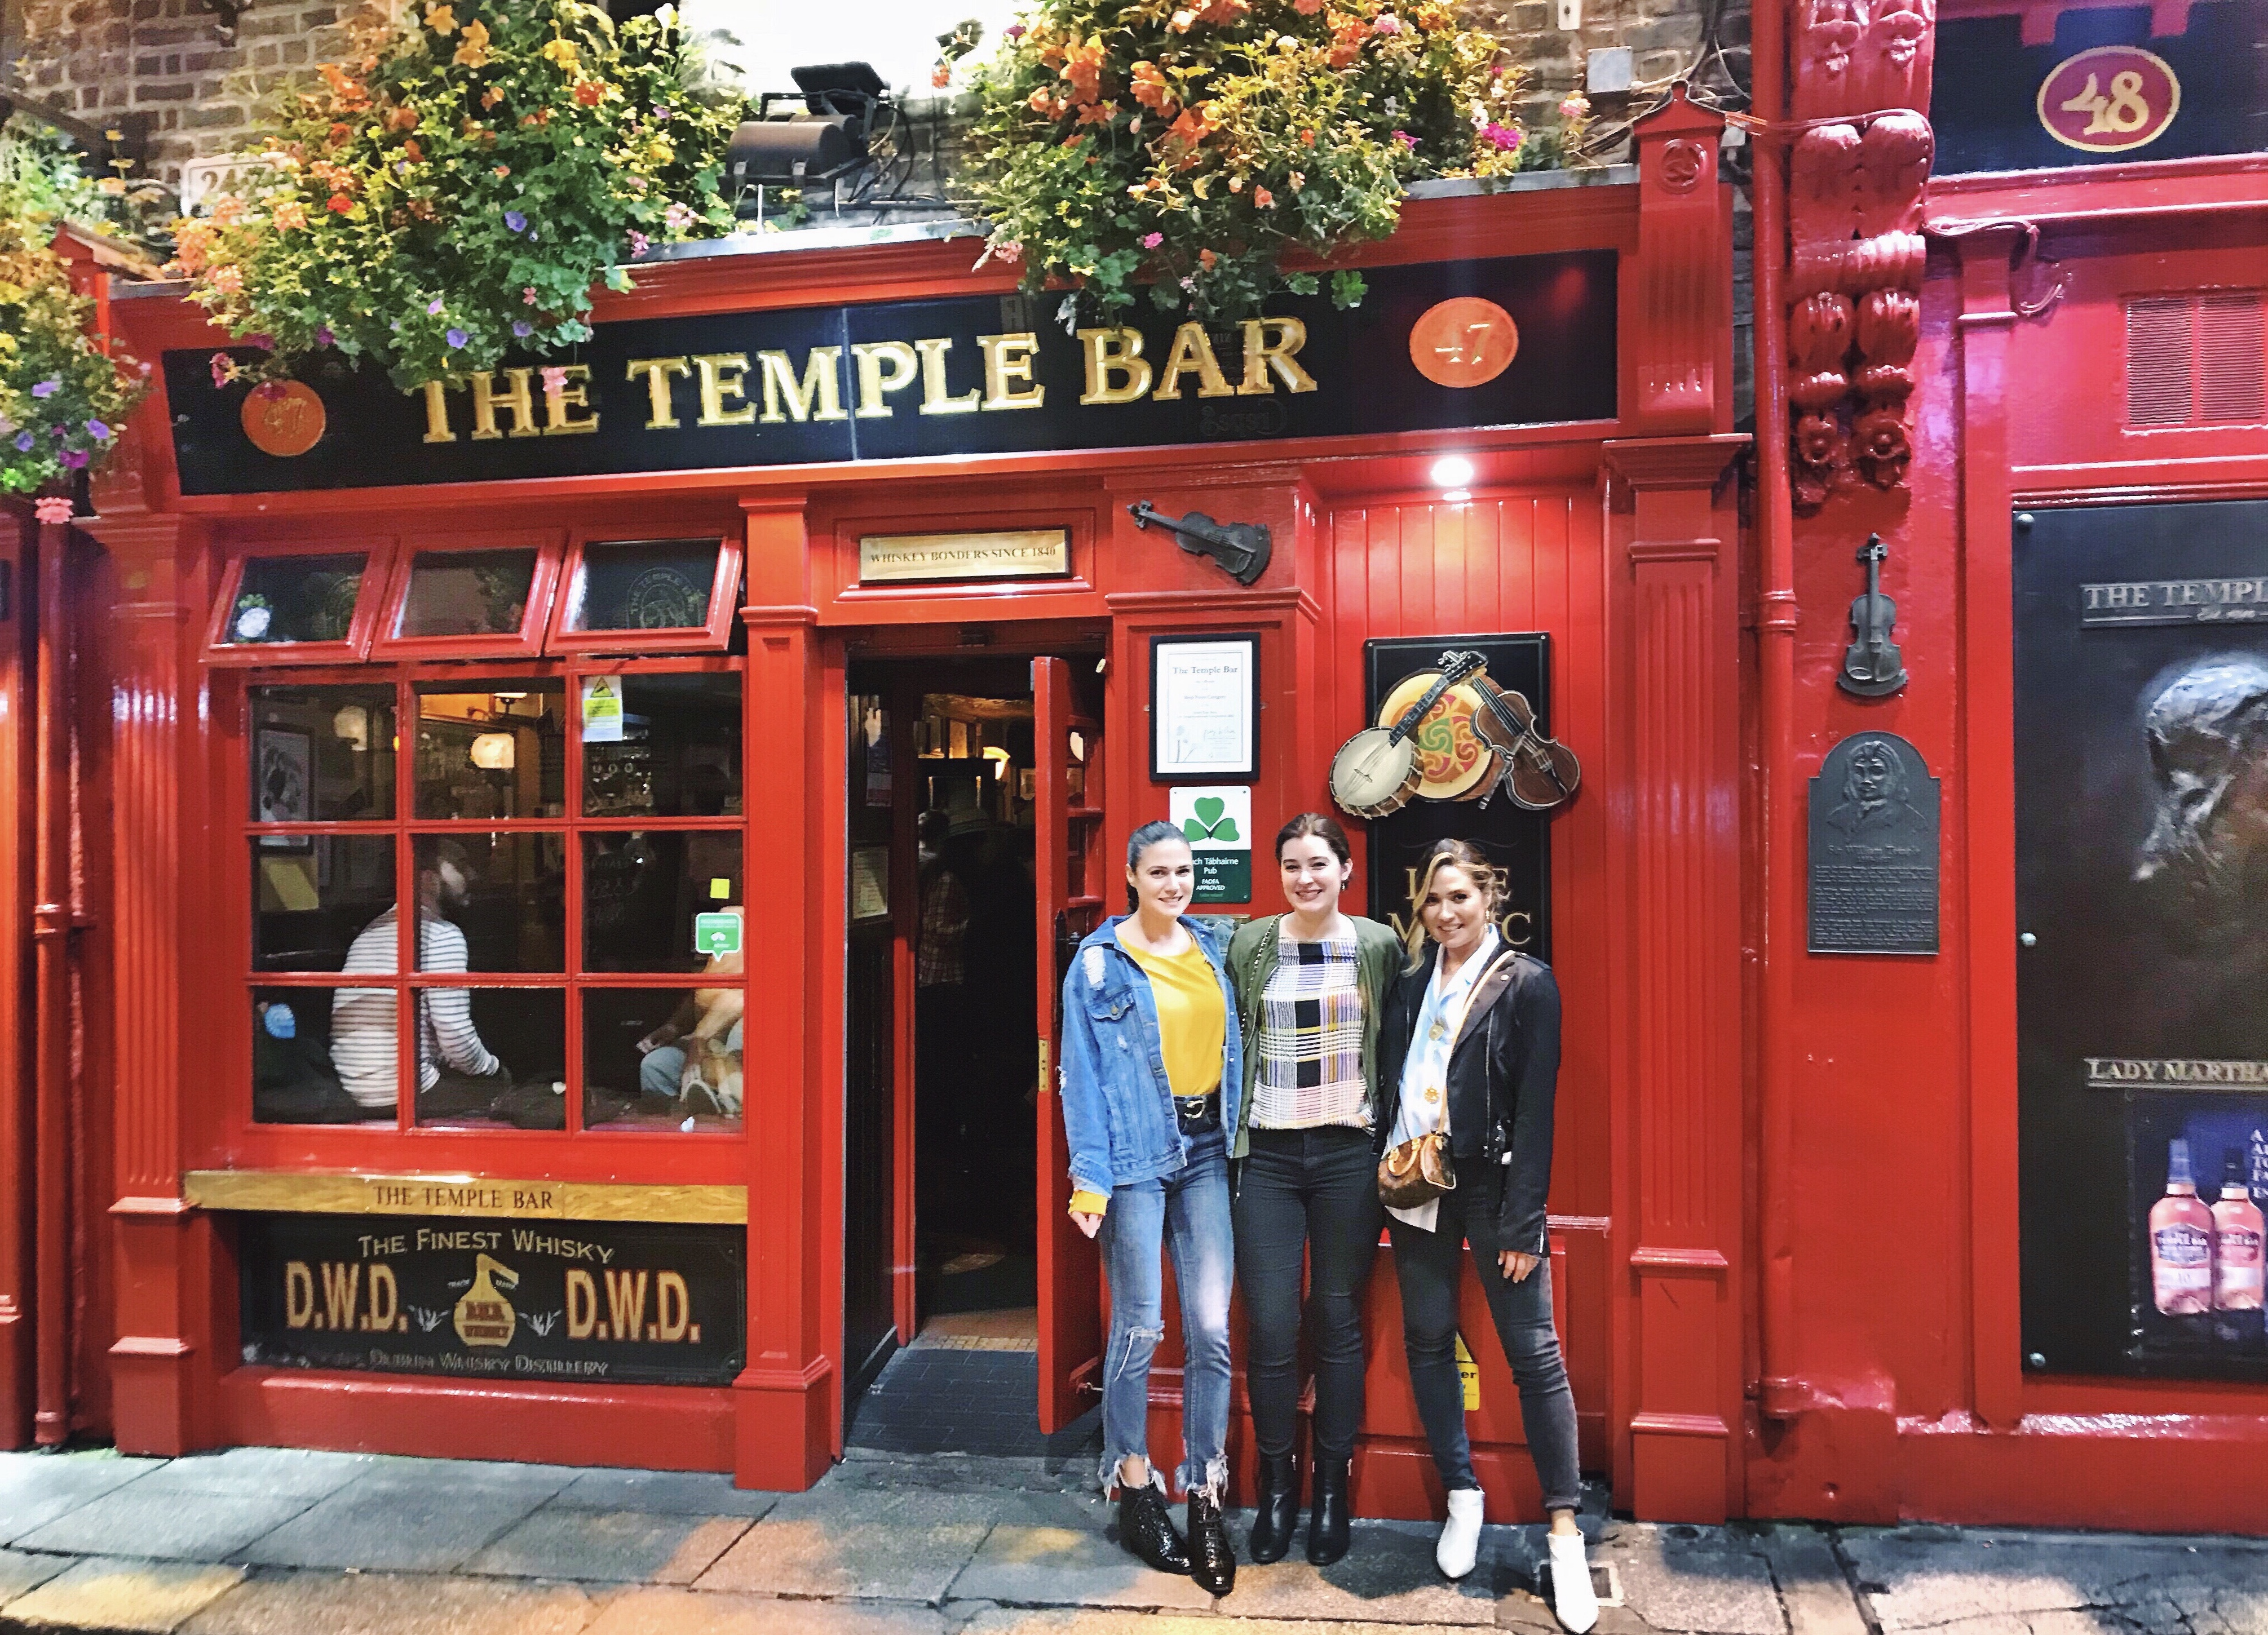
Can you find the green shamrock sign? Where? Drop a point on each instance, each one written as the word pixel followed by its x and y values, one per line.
pixel 1211 821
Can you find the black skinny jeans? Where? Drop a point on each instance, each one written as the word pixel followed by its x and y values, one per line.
pixel 1307 1200
pixel 1426 1262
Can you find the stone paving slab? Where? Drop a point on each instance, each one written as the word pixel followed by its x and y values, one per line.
pixel 1960 1580
pixel 19 1573
pixel 1388 1577
pixel 614 1547
pixel 1062 1550
pixel 101 1593
pixel 429 1525
pixel 1813 1591
pixel 166 1525
pixel 1682 1578
pixel 663 1493
pixel 1090 1621
pixel 384 1603
pixel 36 1488
pixel 701 1612
pixel 275 1472
pixel 882 1546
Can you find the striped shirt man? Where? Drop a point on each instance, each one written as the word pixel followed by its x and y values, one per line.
pixel 364 1020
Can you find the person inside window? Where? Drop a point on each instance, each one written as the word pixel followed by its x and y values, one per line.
pixel 694 1057
pixel 456 1073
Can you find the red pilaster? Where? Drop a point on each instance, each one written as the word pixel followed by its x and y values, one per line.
pixel 789 1394
pixel 16 1236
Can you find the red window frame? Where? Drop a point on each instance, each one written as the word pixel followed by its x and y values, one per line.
pixel 716 635
pixel 704 1156
pixel 369 596
pixel 548 545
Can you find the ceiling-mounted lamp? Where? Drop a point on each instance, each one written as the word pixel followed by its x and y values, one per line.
pixel 351 726
pixel 496 752
pixel 1452 471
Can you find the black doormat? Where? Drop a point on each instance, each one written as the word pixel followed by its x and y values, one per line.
pixel 935 1400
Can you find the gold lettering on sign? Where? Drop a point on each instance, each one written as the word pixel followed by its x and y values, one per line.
pixel 724 375
pixel 875 383
pixel 1192 355
pixel 574 393
pixel 1274 343
pixel 1112 353
pixel 1008 359
pixel 437 414
pixel 519 402
pixel 818 387
pixel 934 400
pixel 661 407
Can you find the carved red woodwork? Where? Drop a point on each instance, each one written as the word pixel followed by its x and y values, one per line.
pixel 1855 250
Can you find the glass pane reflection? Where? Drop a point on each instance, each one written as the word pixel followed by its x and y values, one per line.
pixel 679 755
pixel 321 754
pixel 294 1080
pixel 493 1058
pixel 296 599
pixel 660 1059
pixel 468 593
pixel 312 895
pixel 495 901
pixel 644 584
pixel 642 890
pixel 491 749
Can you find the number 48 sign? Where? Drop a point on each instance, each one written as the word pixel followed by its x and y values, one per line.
pixel 2111 100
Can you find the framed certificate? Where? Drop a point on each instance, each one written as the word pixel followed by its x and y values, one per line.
pixel 1205 710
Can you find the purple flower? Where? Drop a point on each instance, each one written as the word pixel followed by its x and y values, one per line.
pixel 265 342
pixel 638 242
pixel 1014 30
pixel 515 221
pixel 456 338
pixel 323 335
pixel 24 441
pixel 99 432
pixel 521 329
pixel 434 306
pixel 75 458
pixel 48 387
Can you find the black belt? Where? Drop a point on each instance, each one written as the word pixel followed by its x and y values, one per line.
pixel 1197 1114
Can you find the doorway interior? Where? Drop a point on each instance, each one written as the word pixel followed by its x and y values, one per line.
pixel 942 1253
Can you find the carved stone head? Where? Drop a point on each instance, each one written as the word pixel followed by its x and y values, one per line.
pixel 2207 848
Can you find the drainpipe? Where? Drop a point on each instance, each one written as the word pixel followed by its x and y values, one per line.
pixel 1781 1396
pixel 51 889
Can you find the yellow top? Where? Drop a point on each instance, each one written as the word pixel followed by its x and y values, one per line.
pixel 1192 1018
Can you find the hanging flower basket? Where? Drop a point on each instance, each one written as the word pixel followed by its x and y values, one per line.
pixel 1191 144
pixel 456 190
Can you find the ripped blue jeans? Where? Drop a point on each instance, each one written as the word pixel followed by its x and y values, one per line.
pixel 1186 1215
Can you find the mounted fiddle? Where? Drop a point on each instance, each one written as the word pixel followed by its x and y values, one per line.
pixel 1538 772
pixel 1873 667
pixel 1376 771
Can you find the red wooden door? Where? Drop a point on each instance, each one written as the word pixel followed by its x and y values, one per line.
pixel 1067 828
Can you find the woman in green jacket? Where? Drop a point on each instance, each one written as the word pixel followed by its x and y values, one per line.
pixel 1311 985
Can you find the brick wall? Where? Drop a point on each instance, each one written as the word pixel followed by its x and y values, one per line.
pixel 168 60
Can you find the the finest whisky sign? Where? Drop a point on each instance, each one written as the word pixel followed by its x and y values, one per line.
pixel 900 380
pixel 1874 853
pixel 598 1302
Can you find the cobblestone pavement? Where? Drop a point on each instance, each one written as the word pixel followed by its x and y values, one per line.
pixel 281 1542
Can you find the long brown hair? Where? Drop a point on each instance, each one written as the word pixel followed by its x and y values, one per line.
pixel 1450 854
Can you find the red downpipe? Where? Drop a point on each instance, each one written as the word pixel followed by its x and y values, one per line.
pixel 51 997
pixel 1781 1396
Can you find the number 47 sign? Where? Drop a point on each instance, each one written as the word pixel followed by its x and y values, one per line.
pixel 2111 100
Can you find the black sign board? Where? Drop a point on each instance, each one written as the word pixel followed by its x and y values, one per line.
pixel 1873 852
pixel 587 1301
pixel 1455 765
pixel 988 375
pixel 2141 770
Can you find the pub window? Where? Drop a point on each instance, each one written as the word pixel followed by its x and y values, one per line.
pixel 309 603
pixel 570 832
pixel 647 595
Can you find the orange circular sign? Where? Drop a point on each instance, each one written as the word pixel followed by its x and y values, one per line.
pixel 284 418
pixel 2109 100
pixel 1463 342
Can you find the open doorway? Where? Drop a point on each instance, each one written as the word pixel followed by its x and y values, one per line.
pixel 942 1253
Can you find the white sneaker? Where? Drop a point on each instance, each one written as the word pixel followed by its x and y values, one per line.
pixel 1572 1598
pixel 1460 1534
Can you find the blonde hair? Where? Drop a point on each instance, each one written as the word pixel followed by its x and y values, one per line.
pixel 1450 854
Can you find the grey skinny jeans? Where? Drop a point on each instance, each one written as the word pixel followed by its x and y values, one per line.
pixel 1427 1264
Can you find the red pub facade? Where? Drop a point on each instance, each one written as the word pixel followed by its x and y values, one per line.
pixel 1812 1255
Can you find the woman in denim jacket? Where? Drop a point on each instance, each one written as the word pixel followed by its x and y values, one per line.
pixel 1152 1072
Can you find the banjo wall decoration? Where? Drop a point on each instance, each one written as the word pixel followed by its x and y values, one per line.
pixel 1457 744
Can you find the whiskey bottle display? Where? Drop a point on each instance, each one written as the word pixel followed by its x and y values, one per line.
pixel 2236 1241
pixel 2181 1241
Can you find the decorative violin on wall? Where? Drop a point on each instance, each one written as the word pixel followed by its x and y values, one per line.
pixel 1873 667
pixel 1241 548
pixel 1538 772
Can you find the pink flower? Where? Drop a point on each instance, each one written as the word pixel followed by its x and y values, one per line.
pixel 1575 107
pixel 1386 23
pixel 555 381
pixel 528 296
pixel 1406 138
pixel 52 509
pixel 1150 241
pixel 223 369
pixel 638 242
pixel 1014 30
pixel 1505 137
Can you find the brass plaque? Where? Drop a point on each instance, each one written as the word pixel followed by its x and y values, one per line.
pixel 909 558
pixel 298 1192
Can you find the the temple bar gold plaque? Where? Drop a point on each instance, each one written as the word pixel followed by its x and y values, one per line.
pixel 298 1192
pixel 904 558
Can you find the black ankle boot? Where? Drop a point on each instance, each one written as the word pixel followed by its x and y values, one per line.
pixel 1145 1527
pixel 1275 1510
pixel 1213 1558
pixel 1327 1522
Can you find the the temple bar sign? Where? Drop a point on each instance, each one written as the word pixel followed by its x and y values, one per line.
pixel 1514 342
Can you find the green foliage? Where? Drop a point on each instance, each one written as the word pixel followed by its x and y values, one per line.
pixel 1194 144
pixel 62 399
pixel 456 191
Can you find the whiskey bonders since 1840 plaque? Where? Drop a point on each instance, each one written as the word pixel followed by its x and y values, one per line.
pixel 1873 873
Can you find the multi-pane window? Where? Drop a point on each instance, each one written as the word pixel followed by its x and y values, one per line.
pixel 566 834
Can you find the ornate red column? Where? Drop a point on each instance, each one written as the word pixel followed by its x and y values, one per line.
pixel 788 1396
pixel 16 1237
pixel 1675 780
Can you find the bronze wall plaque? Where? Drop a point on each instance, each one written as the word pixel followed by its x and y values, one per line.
pixel 1873 873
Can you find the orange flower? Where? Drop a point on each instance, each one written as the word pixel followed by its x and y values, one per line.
pixel 1207 259
pixel 1307 8
pixel 340 204
pixel 1308 138
pixel 401 119
pixel 228 279
pixel 1083 70
pixel 411 151
pixel 226 212
pixel 475 51
pixel 340 133
pixel 1150 90
pixel 589 92
pixel 442 19
pixel 1097 113
pixel 1262 200
pixel 1223 11
pixel 291 214
pixel 493 95
pixel 502 171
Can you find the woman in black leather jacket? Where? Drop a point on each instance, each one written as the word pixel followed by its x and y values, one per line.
pixel 1471 1034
